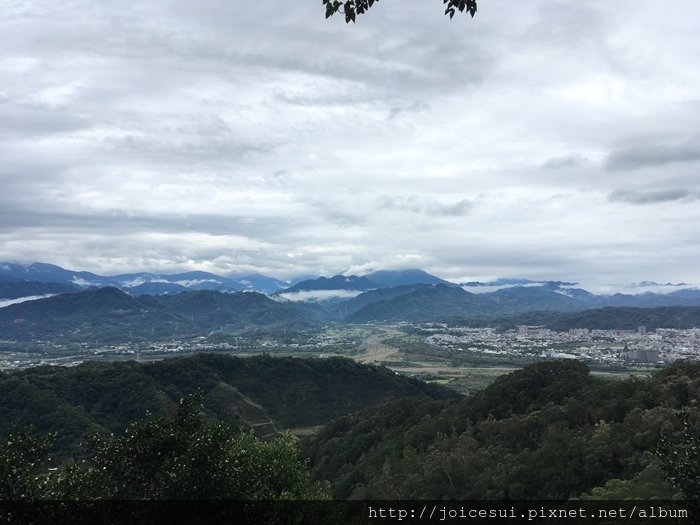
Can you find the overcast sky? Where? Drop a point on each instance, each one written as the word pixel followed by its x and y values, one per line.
pixel 542 139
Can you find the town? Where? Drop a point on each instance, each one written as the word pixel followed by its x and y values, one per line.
pixel 663 345
pixel 619 347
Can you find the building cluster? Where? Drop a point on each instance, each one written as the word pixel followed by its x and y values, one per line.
pixel 15 355
pixel 626 346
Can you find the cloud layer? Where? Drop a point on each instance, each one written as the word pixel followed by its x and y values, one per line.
pixel 253 136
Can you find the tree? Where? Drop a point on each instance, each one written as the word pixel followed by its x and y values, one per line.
pixel 23 457
pixel 179 458
pixel 185 457
pixel 680 458
pixel 352 8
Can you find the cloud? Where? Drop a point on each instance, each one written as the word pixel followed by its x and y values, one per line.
pixel 319 295
pixel 251 136
pixel 415 107
pixel 653 196
pixel 566 161
pixel 650 155
pixel 425 205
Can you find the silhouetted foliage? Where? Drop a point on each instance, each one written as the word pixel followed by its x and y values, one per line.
pixel 176 458
pixel 352 8
pixel 23 458
pixel 184 457
pixel 680 457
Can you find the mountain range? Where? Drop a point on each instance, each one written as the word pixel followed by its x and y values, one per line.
pixel 51 302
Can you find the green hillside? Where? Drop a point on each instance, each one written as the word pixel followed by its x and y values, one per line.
pixel 549 431
pixel 267 394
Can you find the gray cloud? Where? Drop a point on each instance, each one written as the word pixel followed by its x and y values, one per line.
pixel 653 196
pixel 650 155
pixel 566 161
pixel 415 107
pixel 246 136
pixel 425 205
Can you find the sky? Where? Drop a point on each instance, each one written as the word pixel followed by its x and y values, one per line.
pixel 548 139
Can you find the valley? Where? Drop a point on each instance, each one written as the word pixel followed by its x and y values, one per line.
pixel 429 352
pixel 416 324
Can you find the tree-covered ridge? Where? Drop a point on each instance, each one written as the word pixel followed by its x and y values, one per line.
pixel 180 457
pixel 267 394
pixel 608 318
pixel 111 315
pixel 549 431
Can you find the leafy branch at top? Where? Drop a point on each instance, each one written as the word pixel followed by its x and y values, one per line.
pixel 352 8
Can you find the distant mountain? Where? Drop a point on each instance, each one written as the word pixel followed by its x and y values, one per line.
pixel 111 315
pixel 337 282
pixel 347 307
pixel 499 282
pixel 431 303
pixel 214 309
pixel 650 299
pixel 343 296
pixel 156 288
pixel 608 318
pixel 424 304
pixel 51 273
pixel 692 294
pixel 391 278
pixel 134 283
pixel 262 283
pixel 528 298
pixel 16 289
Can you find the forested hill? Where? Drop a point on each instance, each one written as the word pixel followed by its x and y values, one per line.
pixel 609 318
pixel 108 315
pixel 549 431
pixel 266 393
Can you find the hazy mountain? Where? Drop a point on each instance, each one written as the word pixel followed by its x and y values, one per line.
pixel 186 281
pixel 349 306
pixel 424 304
pixel 527 298
pixel 156 288
pixel 337 282
pixel 608 318
pixel 344 295
pixel 111 315
pixel 692 294
pixel 134 283
pixel 650 299
pixel 213 309
pixel 391 278
pixel 499 282
pixel 16 289
pixel 51 273
pixel 261 283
